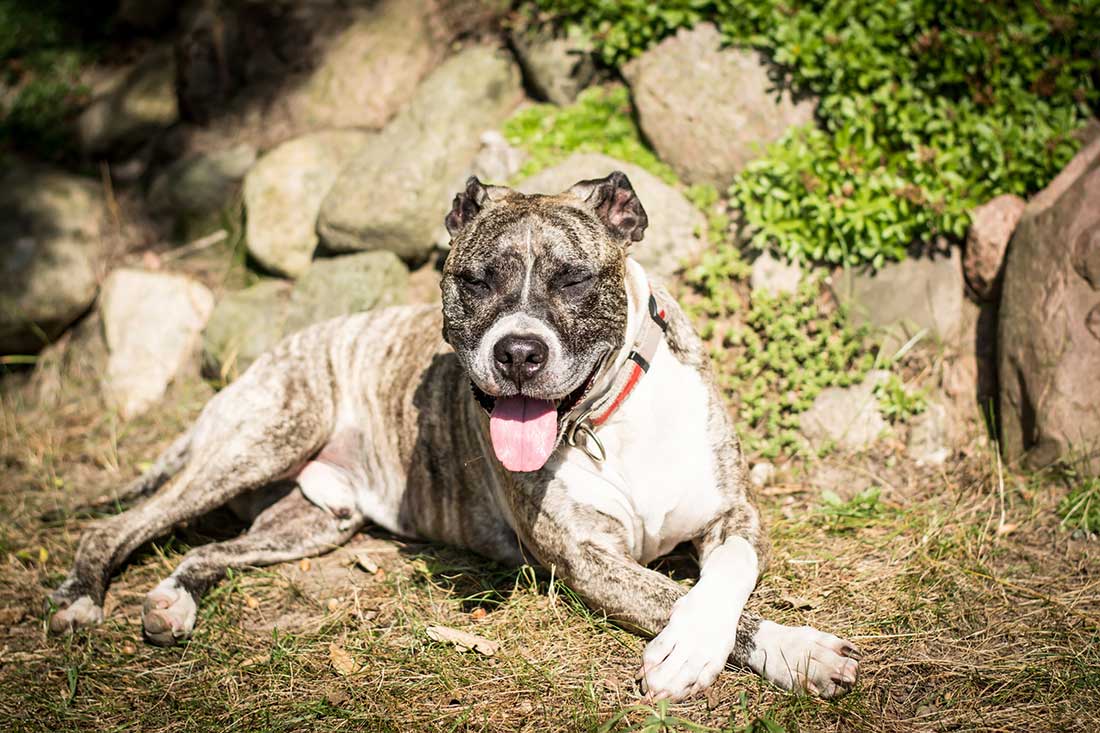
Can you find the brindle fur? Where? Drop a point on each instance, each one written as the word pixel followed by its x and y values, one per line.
pixel 384 400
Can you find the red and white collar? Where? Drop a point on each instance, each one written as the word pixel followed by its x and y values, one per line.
pixel 580 429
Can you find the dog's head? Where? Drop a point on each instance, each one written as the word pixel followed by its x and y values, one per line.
pixel 534 302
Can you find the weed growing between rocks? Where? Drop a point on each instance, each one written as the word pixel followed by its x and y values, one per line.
pixel 926 109
pixel 598 122
pixel 838 515
pixel 773 353
pixel 1081 507
pixel 897 402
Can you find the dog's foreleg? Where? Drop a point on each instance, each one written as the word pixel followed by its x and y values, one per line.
pixel 290 529
pixel 703 628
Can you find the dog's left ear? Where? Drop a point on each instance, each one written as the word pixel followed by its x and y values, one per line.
pixel 469 202
pixel 616 204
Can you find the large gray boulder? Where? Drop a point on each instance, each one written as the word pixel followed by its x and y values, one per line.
pixel 905 298
pixel 676 228
pixel 341 285
pixel 395 193
pixel 152 323
pixel 556 67
pixel 201 184
pixel 283 193
pixel 249 322
pixel 1048 339
pixel 709 110
pixel 244 325
pixel 51 246
pixel 130 105
pixel 370 69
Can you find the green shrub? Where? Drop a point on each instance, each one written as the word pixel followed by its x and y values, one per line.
pixel 927 108
pixel 780 352
pixel 600 121
pixel 42 47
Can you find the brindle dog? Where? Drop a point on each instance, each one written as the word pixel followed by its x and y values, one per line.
pixel 566 416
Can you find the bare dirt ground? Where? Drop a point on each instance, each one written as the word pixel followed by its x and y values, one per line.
pixel 975 609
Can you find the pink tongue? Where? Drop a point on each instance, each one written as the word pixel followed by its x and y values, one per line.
pixel 524 432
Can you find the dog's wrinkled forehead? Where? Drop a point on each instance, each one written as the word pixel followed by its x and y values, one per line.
pixel 593 219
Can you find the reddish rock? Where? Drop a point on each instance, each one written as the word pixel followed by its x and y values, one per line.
pixel 991 226
pixel 1049 327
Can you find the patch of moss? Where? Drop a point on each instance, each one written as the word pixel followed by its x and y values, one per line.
pixel 600 121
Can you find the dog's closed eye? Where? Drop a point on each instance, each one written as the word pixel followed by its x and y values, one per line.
pixel 575 282
pixel 474 284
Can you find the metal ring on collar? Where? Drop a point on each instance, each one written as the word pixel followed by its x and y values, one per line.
pixel 590 439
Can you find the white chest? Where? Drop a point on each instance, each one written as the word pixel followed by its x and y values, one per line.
pixel 659 478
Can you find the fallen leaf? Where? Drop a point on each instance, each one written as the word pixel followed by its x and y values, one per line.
pixel 336 698
pixel 712 697
pixel 478 613
pixel 799 603
pixel 364 562
pixel 342 662
pixel 11 615
pixel 463 640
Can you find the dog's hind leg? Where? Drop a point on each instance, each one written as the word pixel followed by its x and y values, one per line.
pixel 291 528
pixel 263 427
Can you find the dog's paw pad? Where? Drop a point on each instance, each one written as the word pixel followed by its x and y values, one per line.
pixel 73 615
pixel 168 614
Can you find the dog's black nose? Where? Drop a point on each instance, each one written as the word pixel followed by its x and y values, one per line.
pixel 520 357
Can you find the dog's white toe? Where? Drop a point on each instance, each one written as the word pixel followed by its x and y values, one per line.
pixel 804 659
pixel 74 615
pixel 168 614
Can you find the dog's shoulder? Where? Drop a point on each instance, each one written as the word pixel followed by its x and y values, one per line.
pixel 683 340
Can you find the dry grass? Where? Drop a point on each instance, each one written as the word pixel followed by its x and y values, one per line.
pixel 966 623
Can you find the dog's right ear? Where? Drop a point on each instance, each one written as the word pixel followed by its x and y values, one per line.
pixel 469 202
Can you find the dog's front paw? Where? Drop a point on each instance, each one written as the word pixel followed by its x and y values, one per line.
pixel 803 659
pixel 168 614
pixel 685 658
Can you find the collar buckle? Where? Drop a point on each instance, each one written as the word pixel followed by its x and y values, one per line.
pixel 582 428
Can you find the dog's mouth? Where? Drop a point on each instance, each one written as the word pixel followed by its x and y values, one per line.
pixel 524 429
